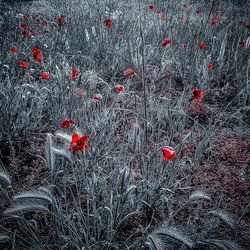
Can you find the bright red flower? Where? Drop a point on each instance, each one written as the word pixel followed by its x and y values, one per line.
pixel 158 12
pixel 74 73
pixel 13 49
pixel 165 43
pixel 197 93
pixel 96 97
pixel 168 153
pixel 60 20
pixel 151 6
pixel 37 54
pixel 129 72
pixel 213 21
pixel 78 143
pixel 23 64
pixel 202 45
pixel 108 22
pixel 44 75
pixel 210 66
pixel 119 88
pixel 23 25
pixel 67 123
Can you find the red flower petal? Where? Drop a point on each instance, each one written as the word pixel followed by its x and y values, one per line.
pixel 197 93
pixel 23 64
pixel 168 153
pixel 151 6
pixel 44 75
pixel 119 88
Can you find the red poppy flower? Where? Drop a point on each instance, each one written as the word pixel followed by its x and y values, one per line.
pixel 13 50
pixel 60 20
pixel 23 64
pixel 210 66
pixel 168 153
pixel 129 72
pixel 119 88
pixel 197 93
pixel 66 123
pixel 198 11
pixel 96 97
pixel 213 21
pixel 165 43
pixel 78 143
pixel 44 75
pixel 108 22
pixel 151 6
pixel 202 45
pixel 74 73
pixel 184 5
pixel 158 12
pixel 37 54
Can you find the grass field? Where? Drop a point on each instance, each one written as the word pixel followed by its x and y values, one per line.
pixel 124 125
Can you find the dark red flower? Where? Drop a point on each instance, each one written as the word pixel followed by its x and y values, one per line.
pixel 210 66
pixel 78 143
pixel 96 97
pixel 108 22
pixel 37 54
pixel 25 33
pixel 213 21
pixel 158 12
pixel 67 123
pixel 202 45
pixel 13 49
pixel 44 75
pixel 151 6
pixel 60 20
pixel 23 64
pixel 197 93
pixel 74 73
pixel 129 72
pixel 119 88
pixel 168 153
pixel 42 24
pixel 165 43
pixel 198 11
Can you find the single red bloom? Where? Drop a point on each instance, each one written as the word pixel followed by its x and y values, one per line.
pixel 151 6
pixel 202 45
pixel 74 73
pixel 13 49
pixel 213 21
pixel 165 43
pixel 168 153
pixel 23 64
pixel 129 72
pixel 197 93
pixel 96 97
pixel 78 143
pixel 158 12
pixel 44 75
pixel 108 22
pixel 198 11
pixel 210 66
pixel 65 124
pixel 119 88
pixel 184 5
pixel 37 54
pixel 23 25
pixel 60 20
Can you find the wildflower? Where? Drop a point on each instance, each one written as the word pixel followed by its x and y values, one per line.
pixel 168 153
pixel 202 45
pixel 60 20
pixel 197 93
pixel 23 25
pixel 129 72
pixel 44 75
pixel 13 49
pixel 158 12
pixel 67 123
pixel 37 54
pixel 151 6
pixel 119 88
pixel 96 97
pixel 23 64
pixel 165 43
pixel 78 143
pixel 108 22
pixel 74 73
pixel 213 21
pixel 210 66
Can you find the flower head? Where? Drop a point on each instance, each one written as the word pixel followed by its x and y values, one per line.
pixel 119 88
pixel 37 54
pixel 210 66
pixel 202 45
pixel 23 64
pixel 108 22
pixel 165 43
pixel 13 49
pixel 44 75
pixel 78 143
pixel 151 6
pixel 197 93
pixel 96 97
pixel 129 72
pixel 74 73
pixel 67 123
pixel 213 21
pixel 168 153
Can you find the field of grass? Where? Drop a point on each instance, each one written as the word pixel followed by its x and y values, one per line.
pixel 124 125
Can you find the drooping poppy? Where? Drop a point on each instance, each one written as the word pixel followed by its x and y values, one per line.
pixel 242 44
pixel 23 25
pixel 165 43
pixel 202 45
pixel 197 93
pixel 158 12
pixel 74 73
pixel 78 143
pixel 13 49
pixel 151 6
pixel 23 64
pixel 108 22
pixel 44 75
pixel 210 66
pixel 168 153
pixel 97 97
pixel 119 88
pixel 60 20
